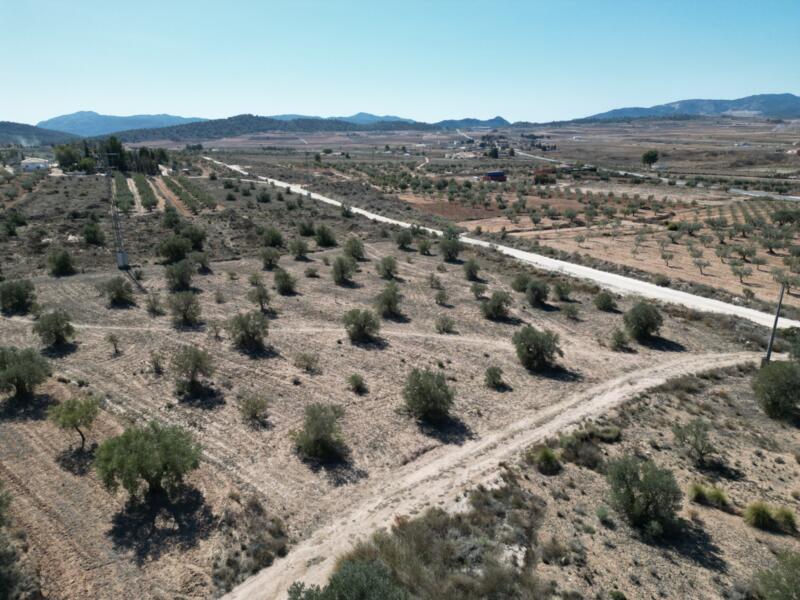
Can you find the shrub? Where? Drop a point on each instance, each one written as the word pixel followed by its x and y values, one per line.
pixel 185 308
pixel 255 280
pixel 354 579
pixel 179 275
pixel 305 228
pixel 75 413
pixel 17 296
pixel 619 341
pixel 284 282
pixel 711 495
pixel 54 328
pixel 777 389
pixel 307 361
pixel 643 321
pixel 174 248
pixel 247 330
pixel 424 246
pixel 441 297
pixel 536 293
pixel 59 261
pixel 762 516
pixel 21 370
pixel 354 248
pixel 478 290
pixel 450 248
pixel 259 295
pixel 536 349
pixel 93 235
pixel 493 378
pixel 113 340
pixel 571 312
pixel 387 267
pixel 496 307
pixel 694 436
pixel 157 455
pixel 562 290
pixel 118 291
pixel 782 580
pixel 545 460
pixel 324 237
pixel 605 301
pixel 648 496
pixel 357 384
pixel 253 408
pixel 273 238
pixel 445 324
pixel 387 302
pixel 270 258
pixel 427 395
pixel 298 248
pixel 189 363
pixel 471 269
pixel 321 436
pixel 342 270
pixel 403 238
pixel 311 272
pixel 520 282
pixel 361 325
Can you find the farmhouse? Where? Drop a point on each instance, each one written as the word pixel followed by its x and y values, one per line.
pixel 34 164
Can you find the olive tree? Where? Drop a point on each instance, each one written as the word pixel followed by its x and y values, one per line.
pixel 247 330
pixel 21 370
pixel 362 325
pixel 75 413
pixel 777 389
pixel 190 363
pixel 54 328
pixel 643 321
pixel 427 395
pixel 387 301
pixel 321 436
pixel 118 291
pixel 536 349
pixel 185 308
pixel 17 296
pixel 343 269
pixel 496 306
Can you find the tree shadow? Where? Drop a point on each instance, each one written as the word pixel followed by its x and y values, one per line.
pixel 718 469
pixel 397 318
pixel 693 542
pixel 339 470
pixel 558 373
pixel 156 524
pixel 26 408
pixel 447 430
pixel 76 461
pixel 200 395
pixel 60 351
pixel 350 284
pixel 662 344
pixel 373 343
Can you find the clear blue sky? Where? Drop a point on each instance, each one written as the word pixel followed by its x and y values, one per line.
pixel 428 60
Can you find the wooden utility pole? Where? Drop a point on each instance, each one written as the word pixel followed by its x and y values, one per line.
pixel 766 359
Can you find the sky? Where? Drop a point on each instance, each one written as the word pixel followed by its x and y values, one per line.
pixel 427 60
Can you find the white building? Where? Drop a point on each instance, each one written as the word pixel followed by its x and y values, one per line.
pixel 34 164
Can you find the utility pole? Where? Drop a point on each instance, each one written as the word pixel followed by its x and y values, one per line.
pixel 765 360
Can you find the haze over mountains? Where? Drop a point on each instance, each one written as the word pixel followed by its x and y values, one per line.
pixel 137 128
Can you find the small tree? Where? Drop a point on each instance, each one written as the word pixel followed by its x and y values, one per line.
pixel 270 258
pixel 387 302
pixel 284 282
pixel 190 363
pixel 174 248
pixel 324 237
pixel 17 296
pixel 54 328
pixel 605 301
pixel 536 293
pixel 354 248
pixel 343 269
pixel 694 436
pixel 113 340
pixel 253 408
pixel 777 388
pixel 520 282
pixel 260 296
pixel 536 349
pixel 424 246
pixel 75 413
pixel 93 235
pixel 648 496
pixel 427 395
pixel 157 455
pixel 471 269
pixel 185 308
pixel 361 325
pixel 643 321
pixel 493 378
pixel 650 158
pixel 478 290
pixel 60 263
pixel 450 247
pixel 357 384
pixel 21 370
pixel 387 267
pixel 273 238
pixel 403 238
pixel 299 248
pixel 782 580
pixel 321 436
pixel 496 307
pixel 118 291
pixel 247 330
pixel 179 275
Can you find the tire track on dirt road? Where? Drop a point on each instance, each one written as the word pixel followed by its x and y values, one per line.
pixel 440 476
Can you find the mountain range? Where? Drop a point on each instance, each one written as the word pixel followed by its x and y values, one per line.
pixel 87 123
pixel 776 106
pixel 20 134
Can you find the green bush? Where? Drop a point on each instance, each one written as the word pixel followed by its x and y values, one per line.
pixel 189 363
pixel 272 238
pixel 342 270
pixel 562 290
pixel 179 275
pixel 305 228
pixel 520 282
pixel 324 237
pixel 253 408
pixel 782 580
pixel 536 293
pixel 710 495
pixel 444 324
pixel 75 413
pixel 450 246
pixel 93 235
pixel 496 307
pixel 284 282
pixel 605 301
pixel 357 384
pixel 361 325
pixel 21 370
pixel 321 436
pixel 694 437
pixel 59 261
pixel 424 246
pixel 403 238
pixel 545 460
pixel 493 378
pixel 763 516
pixel 259 295
pixel 247 330
pixel 387 267
pixel 354 248
pixel 777 389
pixel 471 269
pixel 298 248
pixel 17 296
pixel 354 580
pixel 427 395
pixel 270 258
pixel 160 456
pixel 387 302
pixel 185 308
pixel 54 328
pixel 643 321
pixel 619 341
pixel 118 291
pixel 174 248
pixel 646 495
pixel 536 349
pixel 478 290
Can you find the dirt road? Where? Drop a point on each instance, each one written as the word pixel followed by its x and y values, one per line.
pixel 438 478
pixel 617 283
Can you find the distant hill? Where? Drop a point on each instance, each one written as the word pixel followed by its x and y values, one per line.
pixel 467 123
pixel 89 124
pixel 28 135
pixel 776 106
pixel 361 118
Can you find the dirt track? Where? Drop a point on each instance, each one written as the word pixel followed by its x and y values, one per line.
pixel 440 477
